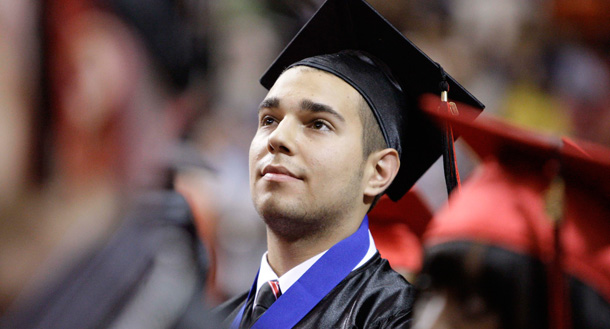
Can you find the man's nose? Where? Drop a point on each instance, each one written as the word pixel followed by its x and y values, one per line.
pixel 282 139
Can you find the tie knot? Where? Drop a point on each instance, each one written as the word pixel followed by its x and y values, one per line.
pixel 268 294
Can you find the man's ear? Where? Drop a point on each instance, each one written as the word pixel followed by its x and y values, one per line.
pixel 383 167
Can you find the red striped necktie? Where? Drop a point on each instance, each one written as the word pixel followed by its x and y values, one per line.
pixel 267 295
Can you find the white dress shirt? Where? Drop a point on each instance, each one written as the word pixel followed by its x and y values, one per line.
pixel 266 273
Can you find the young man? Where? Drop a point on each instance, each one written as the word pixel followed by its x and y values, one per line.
pixel 332 137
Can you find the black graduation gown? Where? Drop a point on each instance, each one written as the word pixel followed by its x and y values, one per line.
pixel 372 296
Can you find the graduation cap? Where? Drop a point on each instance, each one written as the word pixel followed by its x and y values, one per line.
pixel 582 162
pixel 494 237
pixel 352 41
pixel 503 205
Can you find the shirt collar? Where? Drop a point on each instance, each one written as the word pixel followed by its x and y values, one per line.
pixel 266 273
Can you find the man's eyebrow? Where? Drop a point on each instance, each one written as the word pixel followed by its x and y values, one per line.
pixel 272 102
pixel 317 107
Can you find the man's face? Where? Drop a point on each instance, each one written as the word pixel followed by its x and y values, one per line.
pixel 306 159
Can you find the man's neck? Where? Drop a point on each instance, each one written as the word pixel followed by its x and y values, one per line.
pixel 283 254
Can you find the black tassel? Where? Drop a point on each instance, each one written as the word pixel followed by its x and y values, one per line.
pixel 452 178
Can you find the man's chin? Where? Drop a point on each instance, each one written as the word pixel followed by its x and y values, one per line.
pixel 290 221
pixel 278 208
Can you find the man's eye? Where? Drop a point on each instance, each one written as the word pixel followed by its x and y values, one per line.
pixel 320 125
pixel 267 121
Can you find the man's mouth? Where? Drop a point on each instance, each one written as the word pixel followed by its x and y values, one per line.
pixel 278 174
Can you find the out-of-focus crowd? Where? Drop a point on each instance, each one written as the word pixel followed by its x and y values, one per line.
pixel 107 106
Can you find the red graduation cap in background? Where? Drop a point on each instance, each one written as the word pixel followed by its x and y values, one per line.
pixel 397 228
pixel 505 203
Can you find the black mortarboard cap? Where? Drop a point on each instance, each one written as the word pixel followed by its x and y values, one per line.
pixel 351 40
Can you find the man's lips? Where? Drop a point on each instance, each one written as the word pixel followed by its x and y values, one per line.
pixel 278 173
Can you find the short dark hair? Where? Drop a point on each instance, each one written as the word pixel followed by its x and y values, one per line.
pixel 372 138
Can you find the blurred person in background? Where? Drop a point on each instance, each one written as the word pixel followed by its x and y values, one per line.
pixel 487 264
pixel 524 243
pixel 91 236
pixel 19 99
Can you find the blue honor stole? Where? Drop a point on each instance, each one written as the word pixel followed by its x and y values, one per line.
pixel 314 284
